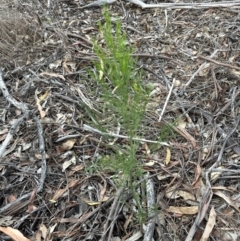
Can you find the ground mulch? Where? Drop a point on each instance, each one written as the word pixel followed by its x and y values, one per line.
pixel 51 184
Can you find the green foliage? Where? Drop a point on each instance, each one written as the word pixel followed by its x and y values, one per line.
pixel 125 97
pixel 121 85
pixel 167 131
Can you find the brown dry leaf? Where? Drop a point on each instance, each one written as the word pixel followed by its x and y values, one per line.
pixel 3 134
pixel 38 102
pixel 63 234
pixel 136 236
pixel 231 59
pixel 83 139
pixel 183 210
pixel 150 163
pixel 39 156
pixel 75 169
pixel 60 192
pixel 105 198
pixel 198 172
pixel 52 75
pixel 70 64
pixel 215 175
pixel 161 177
pixel 68 145
pixel 224 188
pixel 103 191
pixel 90 203
pixel 6 221
pixel 4 131
pixel 168 156
pixel 51 229
pixel 69 220
pixel 186 135
pixel 147 150
pixel 31 207
pixel 199 188
pixel 128 221
pixel 210 224
pixel 68 163
pixel 67 59
pixel 14 234
pixel 11 198
pixel 227 199
pixel 2 137
pixel 38 236
pixel 179 193
pixel 44 96
pixel 44 231
pixel 181 124
pixel 235 72
pixel 205 70
pixel 55 64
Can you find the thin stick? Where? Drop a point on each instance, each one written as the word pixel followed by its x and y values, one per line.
pixel 219 63
pixel 91 129
pixel 166 102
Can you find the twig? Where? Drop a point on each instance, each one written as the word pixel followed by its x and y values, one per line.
pixel 86 217
pixel 186 5
pixel 159 56
pixel 166 102
pixel 79 36
pixel 98 3
pixel 91 129
pixel 218 63
pixel 224 4
pixel 233 99
pixel 216 85
pixel 117 210
pixel 112 211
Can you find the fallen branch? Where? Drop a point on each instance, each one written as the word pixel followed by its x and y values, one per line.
pixel 219 63
pixel 91 129
pixel 224 4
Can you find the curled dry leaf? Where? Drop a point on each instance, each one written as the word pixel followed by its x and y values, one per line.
pixel 68 163
pixel 90 203
pixel 43 230
pixel 68 145
pixel 198 172
pixel 215 175
pixel 168 156
pixel 14 234
pixel 204 71
pixel 38 102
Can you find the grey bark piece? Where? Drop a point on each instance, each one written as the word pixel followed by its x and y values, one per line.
pixel 148 236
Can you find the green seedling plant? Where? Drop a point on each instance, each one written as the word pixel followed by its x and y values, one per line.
pixel 124 94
